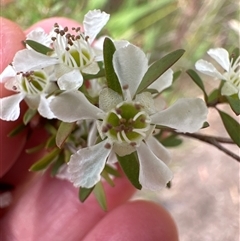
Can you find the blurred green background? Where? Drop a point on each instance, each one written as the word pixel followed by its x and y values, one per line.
pixel 157 26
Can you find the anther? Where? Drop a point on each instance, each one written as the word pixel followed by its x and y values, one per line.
pixel 86 38
pixel 105 129
pixel 125 87
pixel 107 146
pixel 122 121
pixel 137 106
pixel 78 29
pixel 118 111
pixel 65 29
pixel 133 144
pixel 67 48
pixel 56 25
pixel 62 33
pixel 53 38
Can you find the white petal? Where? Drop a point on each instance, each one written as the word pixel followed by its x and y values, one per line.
pixel 108 99
pixel 92 68
pixel 154 174
pixel 27 59
pixel 147 101
pixel 71 80
pixel 159 150
pixel 121 43
pixel 92 135
pixel 32 101
pixel 7 73
pixel 130 64
pixel 163 82
pixel 73 106
pixel 93 22
pixel 87 164
pixel 221 56
pixel 185 115
pixel 40 36
pixel 228 89
pixel 208 69
pixel 10 109
pixel 123 149
pixel 44 109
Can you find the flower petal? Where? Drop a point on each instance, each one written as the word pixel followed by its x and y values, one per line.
pixel 208 69
pixel 71 80
pixel 123 149
pixel 7 73
pixel 146 99
pixel 221 56
pixel 130 64
pixel 40 36
pixel 185 115
pixel 163 82
pixel 92 68
pixel 228 89
pixel 87 164
pixel 44 109
pixel 10 109
pixel 93 23
pixel 154 174
pixel 108 99
pixel 73 106
pixel 159 150
pixel 28 59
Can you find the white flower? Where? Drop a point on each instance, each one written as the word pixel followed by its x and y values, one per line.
pixel 126 123
pixel 231 76
pixel 32 86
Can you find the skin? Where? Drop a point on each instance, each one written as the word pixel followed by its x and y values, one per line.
pixel 46 208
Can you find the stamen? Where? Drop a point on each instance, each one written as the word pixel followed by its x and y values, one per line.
pixel 139 114
pixel 125 137
pixel 108 146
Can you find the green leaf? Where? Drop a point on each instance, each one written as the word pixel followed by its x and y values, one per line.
pixel 176 75
pixel 45 161
pixel 172 141
pixel 19 128
pixel 58 163
pixel 111 171
pixel 158 68
pixel 63 132
pixel 29 114
pixel 35 148
pixel 212 99
pixel 108 179
pixel 112 80
pixel 234 104
pixel 100 195
pixel 232 127
pixel 50 142
pixel 38 47
pixel 197 80
pixel 84 193
pixel 130 166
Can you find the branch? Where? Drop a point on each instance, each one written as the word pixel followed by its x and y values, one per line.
pixel 212 140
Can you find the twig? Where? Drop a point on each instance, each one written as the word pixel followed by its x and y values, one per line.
pixel 212 140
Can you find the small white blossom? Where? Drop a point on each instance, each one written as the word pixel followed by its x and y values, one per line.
pixel 231 74
pixel 126 122
pixel 32 86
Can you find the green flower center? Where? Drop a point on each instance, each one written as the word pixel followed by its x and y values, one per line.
pixel 34 82
pixel 127 123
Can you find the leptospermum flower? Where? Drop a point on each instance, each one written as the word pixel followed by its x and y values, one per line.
pixel 72 55
pixel 231 76
pixel 32 86
pixel 126 123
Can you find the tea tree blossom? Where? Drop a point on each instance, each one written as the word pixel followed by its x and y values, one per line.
pixel 126 123
pixel 231 74
pixel 32 86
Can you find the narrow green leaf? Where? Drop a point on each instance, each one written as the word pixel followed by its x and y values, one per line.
pixel 197 80
pixel 19 128
pixel 234 104
pixel 212 99
pixel 172 141
pixel 45 161
pixel 112 80
pixel 50 142
pixel 58 163
pixel 176 75
pixel 111 171
pixel 108 179
pixel 38 47
pixel 84 193
pixel 100 195
pixel 158 68
pixel 35 148
pixel 63 132
pixel 232 127
pixel 29 114
pixel 130 166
